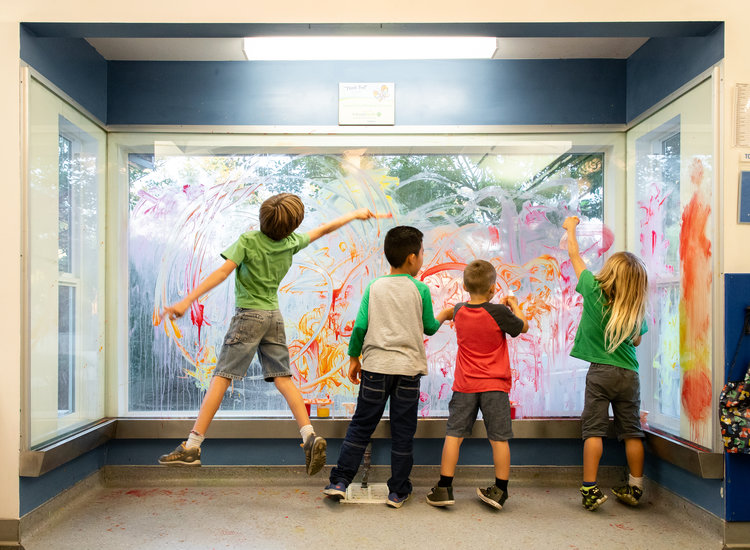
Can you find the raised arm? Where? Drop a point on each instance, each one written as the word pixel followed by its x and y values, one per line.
pixel 333 225
pixel 178 309
pixel 569 225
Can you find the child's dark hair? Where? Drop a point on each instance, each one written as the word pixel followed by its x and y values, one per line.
pixel 400 241
pixel 479 277
pixel 281 215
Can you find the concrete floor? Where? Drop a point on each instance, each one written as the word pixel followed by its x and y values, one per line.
pixel 270 515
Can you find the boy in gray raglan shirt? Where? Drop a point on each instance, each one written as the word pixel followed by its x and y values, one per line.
pixel 395 313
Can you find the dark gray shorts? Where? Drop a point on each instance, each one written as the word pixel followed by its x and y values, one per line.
pixel 249 331
pixel 621 387
pixel 495 406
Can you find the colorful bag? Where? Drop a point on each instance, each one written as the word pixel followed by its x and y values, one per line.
pixel 734 415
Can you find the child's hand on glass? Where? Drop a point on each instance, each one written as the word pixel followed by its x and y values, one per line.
pixel 570 223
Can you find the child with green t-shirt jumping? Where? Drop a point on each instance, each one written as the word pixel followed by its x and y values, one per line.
pixel 612 323
pixel 261 260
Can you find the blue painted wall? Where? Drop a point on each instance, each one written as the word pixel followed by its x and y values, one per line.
pixel 736 466
pixel 73 65
pixel 35 491
pixel 662 65
pixel 588 91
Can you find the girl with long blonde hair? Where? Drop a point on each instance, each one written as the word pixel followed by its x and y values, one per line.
pixel 612 323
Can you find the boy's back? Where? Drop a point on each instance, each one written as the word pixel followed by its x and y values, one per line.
pixel 396 312
pixel 261 265
pixel 482 362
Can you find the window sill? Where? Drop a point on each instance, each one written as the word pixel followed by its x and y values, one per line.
pixel 38 462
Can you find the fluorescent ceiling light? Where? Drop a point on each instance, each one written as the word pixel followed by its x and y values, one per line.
pixel 291 48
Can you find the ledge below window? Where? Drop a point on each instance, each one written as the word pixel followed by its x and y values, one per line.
pixel 38 462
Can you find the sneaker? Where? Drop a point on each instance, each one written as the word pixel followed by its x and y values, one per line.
pixel 395 501
pixel 592 497
pixel 335 490
pixel 315 454
pixel 440 496
pixel 182 456
pixel 493 495
pixel 629 494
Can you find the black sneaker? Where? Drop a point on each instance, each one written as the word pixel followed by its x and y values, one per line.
pixel 592 497
pixel 440 496
pixel 629 494
pixel 315 454
pixel 182 456
pixel 493 495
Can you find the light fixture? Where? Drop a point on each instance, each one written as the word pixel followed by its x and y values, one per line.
pixel 289 48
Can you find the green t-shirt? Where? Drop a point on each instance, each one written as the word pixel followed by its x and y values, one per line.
pixel 589 342
pixel 261 265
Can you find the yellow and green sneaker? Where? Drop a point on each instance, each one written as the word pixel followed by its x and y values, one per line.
pixel 629 494
pixel 592 497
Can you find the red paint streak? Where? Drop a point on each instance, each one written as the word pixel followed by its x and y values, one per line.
pixel 494 234
pixel 695 305
pixel 196 317
pixel 696 394
pixel 457 266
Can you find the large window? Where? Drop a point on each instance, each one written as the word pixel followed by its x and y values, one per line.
pixel 65 204
pixel 188 201
pixel 671 173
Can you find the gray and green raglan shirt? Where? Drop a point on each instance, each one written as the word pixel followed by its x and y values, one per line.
pixel 395 314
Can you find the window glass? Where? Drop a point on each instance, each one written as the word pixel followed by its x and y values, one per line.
pixel 65 203
pixel 185 208
pixel 672 178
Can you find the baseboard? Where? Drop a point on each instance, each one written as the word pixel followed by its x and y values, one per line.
pixel 153 476
pixel 10 530
pixel 737 535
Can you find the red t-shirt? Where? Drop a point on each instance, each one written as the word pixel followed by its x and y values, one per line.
pixel 482 362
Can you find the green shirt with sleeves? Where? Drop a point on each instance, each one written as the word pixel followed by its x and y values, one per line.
pixel 261 265
pixel 589 341
pixel 394 315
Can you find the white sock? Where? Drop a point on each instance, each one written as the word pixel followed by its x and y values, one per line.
pixel 194 440
pixel 306 431
pixel 635 481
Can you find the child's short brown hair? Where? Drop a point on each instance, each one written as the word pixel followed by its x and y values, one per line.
pixel 479 277
pixel 281 215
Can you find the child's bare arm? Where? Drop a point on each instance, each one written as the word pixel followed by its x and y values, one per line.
pixel 512 303
pixel 333 225
pixel 569 225
pixel 178 309
pixel 445 315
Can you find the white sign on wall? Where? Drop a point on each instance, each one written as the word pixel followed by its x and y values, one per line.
pixel 367 103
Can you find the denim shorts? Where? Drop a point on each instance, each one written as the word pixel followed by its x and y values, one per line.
pixel 495 406
pixel 249 331
pixel 621 387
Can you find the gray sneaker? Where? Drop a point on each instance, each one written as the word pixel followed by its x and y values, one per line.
pixel 182 456
pixel 440 496
pixel 315 454
pixel 493 495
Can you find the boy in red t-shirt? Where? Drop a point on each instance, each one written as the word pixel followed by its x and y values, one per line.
pixel 482 381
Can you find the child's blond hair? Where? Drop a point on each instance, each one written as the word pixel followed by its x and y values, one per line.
pixel 624 283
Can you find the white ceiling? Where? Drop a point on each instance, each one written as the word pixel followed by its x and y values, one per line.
pixel 230 49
